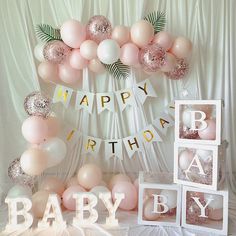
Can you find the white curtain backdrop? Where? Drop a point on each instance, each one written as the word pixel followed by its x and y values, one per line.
pixel 210 25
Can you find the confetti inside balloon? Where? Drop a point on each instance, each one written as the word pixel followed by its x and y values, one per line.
pixel 180 70
pixel 16 173
pixel 187 133
pixel 56 51
pixel 99 28
pixel 37 104
pixel 152 57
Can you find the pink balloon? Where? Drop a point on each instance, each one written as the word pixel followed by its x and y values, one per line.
pixel 73 181
pixel 148 213
pixel 136 184
pixel 67 197
pixel 34 161
pixel 68 74
pixel 181 47
pixel 129 54
pixel 164 39
pixel 131 196
pixel 121 34
pixel 53 184
pixel 96 66
pixel 53 126
pixel 48 71
pixel 35 129
pixel 215 214
pixel 118 178
pixel 73 33
pixel 88 49
pixel 77 61
pixel 209 133
pixel 170 63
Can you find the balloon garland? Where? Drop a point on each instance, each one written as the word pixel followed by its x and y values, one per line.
pixel 65 52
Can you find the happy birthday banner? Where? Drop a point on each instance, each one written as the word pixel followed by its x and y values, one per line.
pixel 115 147
pixel 105 101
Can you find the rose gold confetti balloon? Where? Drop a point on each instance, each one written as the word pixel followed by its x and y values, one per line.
pixel 56 51
pixel 99 28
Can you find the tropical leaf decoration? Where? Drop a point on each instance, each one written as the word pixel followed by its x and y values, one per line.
pixel 118 70
pixel 47 33
pixel 157 19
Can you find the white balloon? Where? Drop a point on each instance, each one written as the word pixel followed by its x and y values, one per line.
pixel 108 51
pixel 185 159
pixel 96 190
pixel 205 155
pixel 216 203
pixel 186 117
pixel 56 150
pixel 38 52
pixel 19 190
pixel 171 196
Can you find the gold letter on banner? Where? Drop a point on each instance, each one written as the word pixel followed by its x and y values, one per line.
pixel 124 96
pixel 62 94
pixel 132 144
pixel 91 143
pixel 84 100
pixel 145 135
pixel 105 99
pixel 150 135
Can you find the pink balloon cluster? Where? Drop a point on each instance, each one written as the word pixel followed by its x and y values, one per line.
pixel 96 44
pixel 45 149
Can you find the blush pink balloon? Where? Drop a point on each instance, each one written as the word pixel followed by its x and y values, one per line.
pixel 181 47
pixel 148 213
pixel 53 126
pixel 129 54
pixel 164 39
pixel 48 71
pixel 35 129
pixel 121 34
pixel 118 178
pixel 96 66
pixel 88 49
pixel 53 184
pixel 68 74
pixel 131 196
pixel 67 197
pixel 73 33
pixel 136 184
pixel 170 63
pixel 209 133
pixel 73 181
pixel 77 61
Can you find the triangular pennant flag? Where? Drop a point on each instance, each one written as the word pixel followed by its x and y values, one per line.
pixel 149 135
pixel 163 122
pixel 84 100
pixel 113 148
pixel 105 101
pixel 62 94
pixel 125 97
pixel 91 145
pixel 133 144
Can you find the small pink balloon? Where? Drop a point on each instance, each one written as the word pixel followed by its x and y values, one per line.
pixel 164 39
pixel 73 181
pixel 209 133
pixel 131 196
pixel 121 34
pixel 35 129
pixel 33 161
pixel 68 74
pixel 77 61
pixel 142 33
pixel 88 49
pixel 53 126
pixel 148 213
pixel 73 33
pixel 181 47
pixel 67 197
pixel 53 184
pixel 118 178
pixel 48 71
pixel 89 176
pixel 129 54
pixel 215 214
pixel 170 63
pixel 96 66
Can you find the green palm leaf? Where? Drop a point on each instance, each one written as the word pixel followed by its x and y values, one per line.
pixel 47 33
pixel 118 70
pixel 157 19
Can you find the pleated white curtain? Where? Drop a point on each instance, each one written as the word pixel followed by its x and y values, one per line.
pixel 210 24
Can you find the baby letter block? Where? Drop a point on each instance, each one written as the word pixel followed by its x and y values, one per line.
pixel 197 165
pixel 205 210
pixel 159 204
pixel 198 121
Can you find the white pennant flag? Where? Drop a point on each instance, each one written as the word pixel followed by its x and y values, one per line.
pixel 125 97
pixel 84 100
pixel 170 108
pixel 149 135
pixel 133 144
pixel 113 148
pixel 91 145
pixel 163 122
pixel 143 90
pixel 62 94
pixel 105 101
